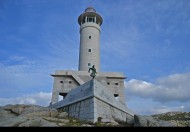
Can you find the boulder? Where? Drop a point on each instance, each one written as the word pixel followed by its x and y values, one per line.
pixel 17 109
pixel 13 122
pixel 5 114
pixel 26 115
pixel 62 115
pixel 130 120
pixel 36 111
pixel 38 122
pixel 149 121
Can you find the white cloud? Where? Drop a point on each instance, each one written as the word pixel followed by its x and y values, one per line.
pixel 22 75
pixel 171 88
pixel 147 106
pixel 17 58
pixel 41 98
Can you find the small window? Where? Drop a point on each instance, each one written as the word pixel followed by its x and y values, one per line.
pixel 90 37
pixel 61 81
pixel 89 64
pixel 116 95
pixel 90 19
pixel 89 50
pixel 116 83
pixel 108 83
pixel 70 82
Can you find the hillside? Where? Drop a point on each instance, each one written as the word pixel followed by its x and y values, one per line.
pixel 178 118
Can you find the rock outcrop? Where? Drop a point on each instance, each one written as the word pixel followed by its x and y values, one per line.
pixel 38 116
pixel 26 115
pixel 180 119
pixel 149 121
pixel 169 119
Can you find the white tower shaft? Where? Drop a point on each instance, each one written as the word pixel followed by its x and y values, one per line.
pixel 89 53
pixel 89 46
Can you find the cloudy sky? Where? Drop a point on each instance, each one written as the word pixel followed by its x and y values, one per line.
pixel 147 40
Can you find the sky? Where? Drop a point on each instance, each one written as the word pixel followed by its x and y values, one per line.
pixel 147 40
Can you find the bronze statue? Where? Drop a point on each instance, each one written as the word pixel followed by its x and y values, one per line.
pixel 93 74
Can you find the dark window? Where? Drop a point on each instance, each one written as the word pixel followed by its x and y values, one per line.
pixel 89 64
pixel 116 95
pixel 89 50
pixel 70 82
pixel 90 19
pixel 61 81
pixel 90 37
pixel 108 83
pixel 116 83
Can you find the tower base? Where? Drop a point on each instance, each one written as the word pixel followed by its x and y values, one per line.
pixel 93 102
pixel 67 80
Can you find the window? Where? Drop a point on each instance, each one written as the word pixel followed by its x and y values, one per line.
pixel 116 83
pixel 61 81
pixel 90 19
pixel 108 83
pixel 90 37
pixel 89 64
pixel 70 82
pixel 89 50
pixel 116 95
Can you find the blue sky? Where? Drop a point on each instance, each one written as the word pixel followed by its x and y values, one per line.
pixel 147 40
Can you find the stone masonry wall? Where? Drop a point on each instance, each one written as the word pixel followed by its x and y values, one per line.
pixel 83 110
pixel 93 109
pixel 107 112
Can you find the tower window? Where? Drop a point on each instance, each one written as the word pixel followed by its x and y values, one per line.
pixel 61 81
pixel 108 83
pixel 116 95
pixel 70 82
pixel 89 37
pixel 89 64
pixel 90 19
pixel 116 83
pixel 89 50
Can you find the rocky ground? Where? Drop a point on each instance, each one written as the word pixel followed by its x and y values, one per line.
pixel 38 116
pixel 180 119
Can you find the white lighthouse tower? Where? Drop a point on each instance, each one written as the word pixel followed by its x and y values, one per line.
pixel 82 96
pixel 89 53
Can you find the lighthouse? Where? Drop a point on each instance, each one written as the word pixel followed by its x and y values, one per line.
pixel 66 81
pixel 89 53
pixel 82 95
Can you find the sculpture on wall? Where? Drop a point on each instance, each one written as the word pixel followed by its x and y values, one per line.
pixel 93 69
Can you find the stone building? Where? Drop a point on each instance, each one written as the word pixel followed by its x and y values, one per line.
pixel 67 82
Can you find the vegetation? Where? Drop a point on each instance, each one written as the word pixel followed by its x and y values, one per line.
pixel 185 116
pixel 181 119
